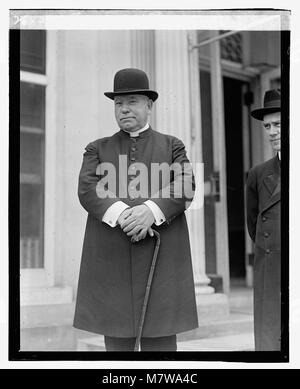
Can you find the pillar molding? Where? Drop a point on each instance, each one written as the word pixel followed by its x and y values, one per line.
pixel 219 157
pixel 176 73
pixel 143 57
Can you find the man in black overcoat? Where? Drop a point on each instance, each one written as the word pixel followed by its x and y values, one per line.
pixel 123 207
pixel 263 219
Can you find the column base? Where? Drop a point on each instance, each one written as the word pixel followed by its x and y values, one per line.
pixel 204 289
pixel 202 285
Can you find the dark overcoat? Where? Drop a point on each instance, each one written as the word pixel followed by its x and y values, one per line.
pixel 113 270
pixel 263 219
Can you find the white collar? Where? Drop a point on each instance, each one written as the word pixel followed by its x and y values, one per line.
pixel 279 155
pixel 137 132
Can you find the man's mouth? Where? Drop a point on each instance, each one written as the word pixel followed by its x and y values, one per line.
pixel 126 118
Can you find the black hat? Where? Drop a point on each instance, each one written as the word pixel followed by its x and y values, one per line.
pixel 272 103
pixel 131 81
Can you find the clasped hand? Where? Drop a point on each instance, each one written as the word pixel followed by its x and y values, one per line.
pixel 136 222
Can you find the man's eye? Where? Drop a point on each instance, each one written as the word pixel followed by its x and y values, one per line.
pixel 277 124
pixel 267 126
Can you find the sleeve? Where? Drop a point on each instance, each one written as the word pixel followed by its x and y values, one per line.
pixel 93 196
pixel 177 196
pixel 157 213
pixel 252 203
pixel 112 214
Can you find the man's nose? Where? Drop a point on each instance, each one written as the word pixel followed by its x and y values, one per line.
pixel 124 108
pixel 273 130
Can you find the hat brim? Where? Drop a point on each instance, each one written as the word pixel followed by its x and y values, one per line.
pixel 150 93
pixel 261 112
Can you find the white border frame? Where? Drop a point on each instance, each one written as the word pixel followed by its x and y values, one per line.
pixel 295 192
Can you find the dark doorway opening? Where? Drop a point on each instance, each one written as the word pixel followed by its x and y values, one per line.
pixel 233 108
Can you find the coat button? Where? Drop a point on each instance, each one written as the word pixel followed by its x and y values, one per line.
pixel 268 251
pixel 264 219
pixel 133 148
pixel 266 234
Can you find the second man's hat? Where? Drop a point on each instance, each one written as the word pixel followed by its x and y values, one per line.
pixel 272 103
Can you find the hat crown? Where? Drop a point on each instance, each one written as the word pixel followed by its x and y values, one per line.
pixel 272 98
pixel 272 103
pixel 130 79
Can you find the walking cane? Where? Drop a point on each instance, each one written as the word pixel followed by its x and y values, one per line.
pixel 147 292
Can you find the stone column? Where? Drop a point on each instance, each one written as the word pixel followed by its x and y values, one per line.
pixel 219 157
pixel 143 57
pixel 177 83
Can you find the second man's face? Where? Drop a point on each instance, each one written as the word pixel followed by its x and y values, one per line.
pixel 132 111
pixel 272 124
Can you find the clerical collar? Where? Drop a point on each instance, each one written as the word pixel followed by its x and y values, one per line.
pixel 137 132
pixel 279 155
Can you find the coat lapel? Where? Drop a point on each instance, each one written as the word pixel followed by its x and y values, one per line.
pixel 272 182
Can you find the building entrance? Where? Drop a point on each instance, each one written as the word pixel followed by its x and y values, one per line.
pixel 233 109
pixel 234 113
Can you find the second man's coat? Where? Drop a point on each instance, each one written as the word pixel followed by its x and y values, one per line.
pixel 263 219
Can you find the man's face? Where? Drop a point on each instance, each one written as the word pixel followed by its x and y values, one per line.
pixel 271 123
pixel 132 111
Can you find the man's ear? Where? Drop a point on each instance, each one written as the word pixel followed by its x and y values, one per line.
pixel 150 104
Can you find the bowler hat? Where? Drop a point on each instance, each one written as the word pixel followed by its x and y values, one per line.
pixel 272 103
pixel 131 81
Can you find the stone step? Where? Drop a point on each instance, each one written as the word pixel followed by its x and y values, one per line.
pixel 234 323
pixel 236 342
pixel 50 315
pixel 95 343
pixel 241 299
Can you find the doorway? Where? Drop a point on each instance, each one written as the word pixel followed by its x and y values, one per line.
pixel 233 110
pixel 235 132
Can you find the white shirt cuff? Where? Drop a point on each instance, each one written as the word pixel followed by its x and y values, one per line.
pixel 112 213
pixel 157 212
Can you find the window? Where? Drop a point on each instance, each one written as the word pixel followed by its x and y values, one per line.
pixel 232 47
pixel 32 148
pixel 33 51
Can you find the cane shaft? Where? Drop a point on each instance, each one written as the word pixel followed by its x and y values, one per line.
pixel 147 292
